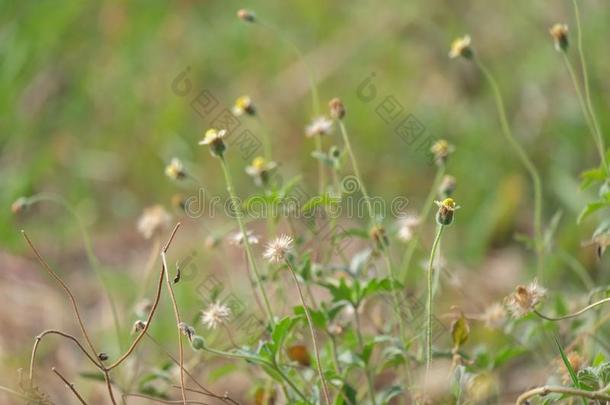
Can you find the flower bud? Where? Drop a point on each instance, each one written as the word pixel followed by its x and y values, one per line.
pixel 461 47
pixel 446 208
pixel 197 342
pixel 20 205
pixel 246 15
pixel 441 151
pixel 138 326
pixel 102 356
pixel 213 138
pixel 447 186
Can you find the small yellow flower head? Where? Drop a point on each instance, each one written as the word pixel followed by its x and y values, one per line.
pixel 446 208
pixel 524 299
pixel 337 109
pixel 319 126
pixel 447 186
pixel 260 169
pixel 20 205
pixel 243 105
pixel 175 170
pixel 461 47
pixel 441 151
pixel 379 236
pixel 246 15
pixel 213 138
pixel 559 32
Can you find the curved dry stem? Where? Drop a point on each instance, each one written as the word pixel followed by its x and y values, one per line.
pixel 65 287
pixel 163 401
pixel 542 391
pixel 152 309
pixel 65 335
pixel 69 385
pixel 575 314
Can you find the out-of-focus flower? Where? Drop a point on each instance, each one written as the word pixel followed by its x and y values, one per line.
pixel 186 330
pixel 446 208
pixel 215 315
pixel 260 169
pixel 447 186
pixel 265 396
pixel 524 299
pixel 243 105
pixel 441 151
pixel 138 326
pixel 379 236
pixel 461 47
pixel 559 32
pixel 175 170
pixel 246 15
pixel 406 226
pixel 213 138
pixel 153 220
pixel 576 361
pixel 278 248
pixel 494 316
pixel 142 308
pixel 319 126
pixel 237 239
pixel 300 354
pixel 20 205
pixel 601 241
pixel 337 109
pixel 212 241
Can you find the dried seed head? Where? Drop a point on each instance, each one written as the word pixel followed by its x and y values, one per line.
pixel 337 109
pixel 446 208
pixel 175 170
pixel 213 138
pixel 186 330
pixel 246 15
pixel 215 315
pixel 494 316
pixel 278 249
pixel 461 47
pixel 524 299
pixel 441 151
pixel 243 105
pixel 102 356
pixel 447 186
pixel 559 32
pixel 379 236
pixel 154 220
pixel 138 326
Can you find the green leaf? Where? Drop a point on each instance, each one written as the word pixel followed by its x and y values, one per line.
pixel 92 375
pixel 385 396
pixel 591 208
pixel 591 176
pixel 568 365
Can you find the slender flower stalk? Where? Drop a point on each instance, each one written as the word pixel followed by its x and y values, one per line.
pixel 314 340
pixel 428 203
pixel 525 160
pixel 583 62
pixel 238 217
pixel 437 240
pixel 91 257
pixel 573 315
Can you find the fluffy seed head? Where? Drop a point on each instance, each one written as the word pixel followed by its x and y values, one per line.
pixel 215 315
pixel 494 316
pixel 406 227
pixel 278 248
pixel 319 126
pixel 153 221
pixel 524 299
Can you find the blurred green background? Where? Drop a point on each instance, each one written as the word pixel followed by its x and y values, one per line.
pixel 88 111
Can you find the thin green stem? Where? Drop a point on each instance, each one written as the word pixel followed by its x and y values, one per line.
pixel 599 143
pixel 437 241
pixel 314 340
pixel 242 229
pixel 575 314
pixel 91 257
pixel 321 168
pixel 428 203
pixel 354 162
pixel 583 62
pixel 527 162
pixel 367 369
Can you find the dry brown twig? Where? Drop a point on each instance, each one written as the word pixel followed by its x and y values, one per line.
pixel 69 385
